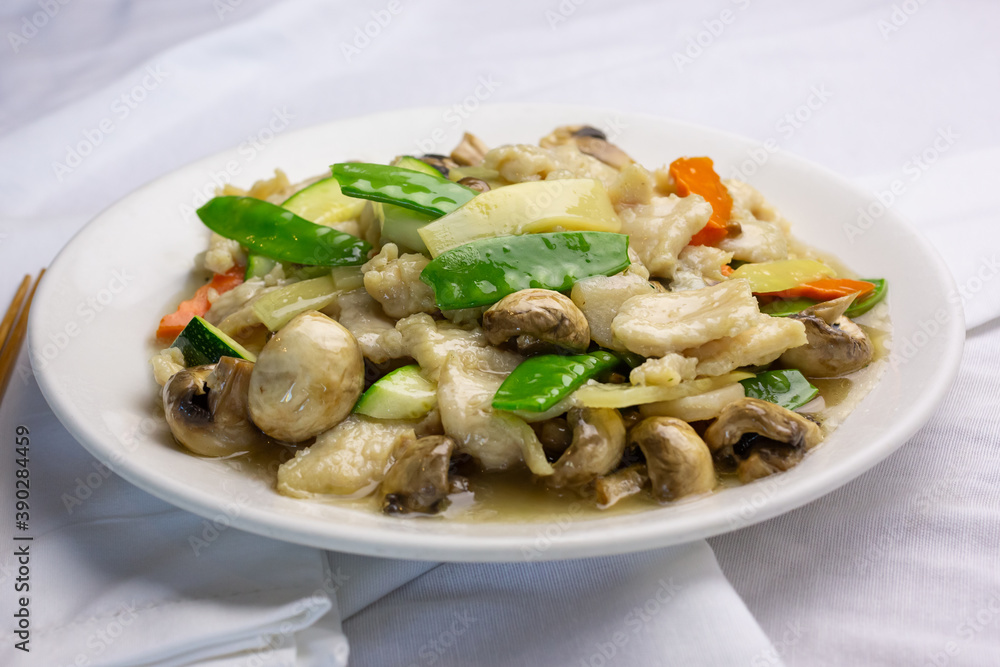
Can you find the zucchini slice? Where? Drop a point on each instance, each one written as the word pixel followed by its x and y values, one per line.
pixel 201 343
pixel 402 394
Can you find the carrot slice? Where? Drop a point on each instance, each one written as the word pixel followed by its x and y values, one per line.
pixel 171 325
pixel 826 289
pixel 697 175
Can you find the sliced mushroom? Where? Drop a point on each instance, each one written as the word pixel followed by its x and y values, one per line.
pixel 677 459
pixel 590 141
pixel 535 315
pixel 477 184
pixel 760 438
pixel 418 480
pixel 470 151
pixel 597 446
pixel 837 345
pixel 206 408
pixel 442 163
pixel 621 484
pixel 307 378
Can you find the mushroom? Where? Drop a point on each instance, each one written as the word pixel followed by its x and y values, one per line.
pixel 760 438
pixel 837 345
pixel 418 480
pixel 477 184
pixel 678 461
pixel 442 163
pixel 597 446
pixel 206 408
pixel 620 484
pixel 538 317
pixel 470 151
pixel 307 378
pixel 590 141
pixel 555 435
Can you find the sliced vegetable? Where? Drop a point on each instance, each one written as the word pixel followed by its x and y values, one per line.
pixel 784 307
pixel 485 271
pixel 827 289
pixel 171 325
pixel 272 231
pixel 596 395
pixel 347 277
pixel 782 274
pixel 258 266
pixel 540 382
pixel 432 194
pixel 787 388
pixel 416 164
pixel 276 309
pixel 697 175
pixel 402 394
pixel 401 226
pixel 324 203
pixel 537 206
pixel 201 343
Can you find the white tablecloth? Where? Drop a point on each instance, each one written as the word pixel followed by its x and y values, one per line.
pixel 897 567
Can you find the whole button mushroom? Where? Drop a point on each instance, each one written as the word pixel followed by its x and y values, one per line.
pixel 539 318
pixel 307 378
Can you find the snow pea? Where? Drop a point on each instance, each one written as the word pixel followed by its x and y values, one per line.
pixel 538 383
pixel 483 272
pixel 274 232
pixel 418 191
pixel 787 388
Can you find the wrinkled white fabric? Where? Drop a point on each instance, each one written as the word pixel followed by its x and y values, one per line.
pixel 897 567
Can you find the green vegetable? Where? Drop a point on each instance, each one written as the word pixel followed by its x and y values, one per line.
pixel 416 164
pixel 400 226
pixel 201 343
pixel 785 307
pixel 258 266
pixel 270 230
pixel 483 272
pixel 540 382
pixel 276 309
pixel 324 203
pixel 402 394
pixel 422 192
pixel 787 388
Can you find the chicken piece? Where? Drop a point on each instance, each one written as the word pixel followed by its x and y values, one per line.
pixel 223 254
pixel 466 386
pixel 661 230
pixel 351 458
pixel 761 344
pixel 394 281
pixel 363 316
pixel 763 236
pixel 654 325
pixel 601 297
pixel 635 186
pixel 517 163
pixel 430 341
pixel 664 371
pixel 699 266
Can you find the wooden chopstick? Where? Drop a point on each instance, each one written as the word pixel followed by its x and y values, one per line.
pixel 12 342
pixel 15 308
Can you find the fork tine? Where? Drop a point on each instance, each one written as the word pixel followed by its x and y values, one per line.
pixel 13 344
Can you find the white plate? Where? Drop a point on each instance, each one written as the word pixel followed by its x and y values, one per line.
pixel 102 297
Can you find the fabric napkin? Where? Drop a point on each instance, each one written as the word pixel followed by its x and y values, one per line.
pixel 120 578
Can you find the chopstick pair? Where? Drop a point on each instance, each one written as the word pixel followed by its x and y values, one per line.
pixel 13 327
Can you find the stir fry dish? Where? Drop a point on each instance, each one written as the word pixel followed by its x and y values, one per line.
pixel 405 332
